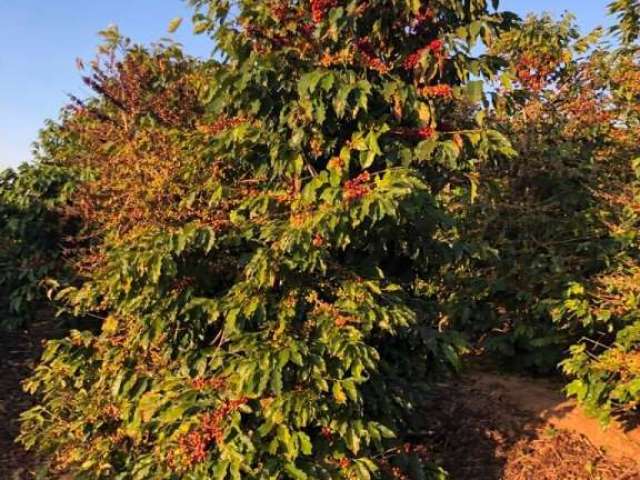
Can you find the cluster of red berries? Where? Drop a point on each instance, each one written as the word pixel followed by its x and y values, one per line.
pixel 335 163
pixel 392 471
pixel 589 112
pixel 412 60
pixel 370 58
pixel 415 134
pixel 396 472
pixel 181 284
pixel 342 320
pixel 423 133
pixel 318 240
pixel 440 90
pixel 423 17
pixel 264 40
pixel 220 125
pixel 327 433
pixel 306 28
pixel 112 412
pixel 436 46
pixel 283 13
pixel 124 82
pixel 211 423
pixel 215 383
pixel 195 444
pixel 418 450
pixel 421 22
pixel 294 188
pixel 319 9
pixel 533 72
pixel 252 30
pixel 357 188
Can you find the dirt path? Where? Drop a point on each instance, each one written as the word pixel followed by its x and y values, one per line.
pixel 543 400
pixel 499 427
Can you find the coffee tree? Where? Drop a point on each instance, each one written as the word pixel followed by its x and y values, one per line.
pixel 576 126
pixel 556 278
pixel 35 228
pixel 271 223
pixel 605 366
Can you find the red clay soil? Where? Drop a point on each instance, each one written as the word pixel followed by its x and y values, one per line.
pixel 544 400
pixel 481 427
pixel 500 427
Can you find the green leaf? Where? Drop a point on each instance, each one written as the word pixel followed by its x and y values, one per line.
pixel 295 472
pixel 474 91
pixel 305 443
pixel 338 393
pixel 175 24
pixel 201 27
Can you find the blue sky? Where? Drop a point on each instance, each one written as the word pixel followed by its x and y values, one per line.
pixel 40 40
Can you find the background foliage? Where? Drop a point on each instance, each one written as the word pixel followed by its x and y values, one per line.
pixel 557 225
pixel 36 229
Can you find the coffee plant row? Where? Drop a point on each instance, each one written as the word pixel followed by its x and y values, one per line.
pixel 285 244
